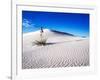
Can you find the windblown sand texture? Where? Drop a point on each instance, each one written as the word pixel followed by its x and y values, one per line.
pixel 62 50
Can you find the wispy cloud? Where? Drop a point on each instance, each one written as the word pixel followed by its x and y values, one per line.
pixel 27 23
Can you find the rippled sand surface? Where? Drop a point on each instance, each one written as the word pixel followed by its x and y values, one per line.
pixel 62 51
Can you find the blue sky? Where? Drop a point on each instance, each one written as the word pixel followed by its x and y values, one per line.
pixel 74 23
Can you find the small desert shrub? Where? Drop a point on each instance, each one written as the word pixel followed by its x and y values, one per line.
pixel 40 42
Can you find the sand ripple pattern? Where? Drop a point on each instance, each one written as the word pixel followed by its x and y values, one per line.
pixel 64 54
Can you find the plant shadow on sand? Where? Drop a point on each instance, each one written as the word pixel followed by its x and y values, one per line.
pixel 52 43
pixel 62 42
pixel 43 44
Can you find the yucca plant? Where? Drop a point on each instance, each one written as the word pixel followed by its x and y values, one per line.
pixel 42 40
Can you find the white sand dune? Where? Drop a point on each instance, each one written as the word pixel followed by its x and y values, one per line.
pixel 64 50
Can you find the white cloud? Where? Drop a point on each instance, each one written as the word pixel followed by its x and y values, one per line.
pixel 26 23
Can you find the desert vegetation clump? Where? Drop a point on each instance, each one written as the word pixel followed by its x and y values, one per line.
pixel 42 40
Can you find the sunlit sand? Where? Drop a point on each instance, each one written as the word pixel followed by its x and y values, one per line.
pixel 61 50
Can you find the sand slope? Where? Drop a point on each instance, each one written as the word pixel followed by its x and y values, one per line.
pixel 65 51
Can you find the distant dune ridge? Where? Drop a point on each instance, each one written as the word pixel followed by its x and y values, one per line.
pixel 62 50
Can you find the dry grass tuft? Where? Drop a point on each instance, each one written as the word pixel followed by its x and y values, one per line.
pixel 40 42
